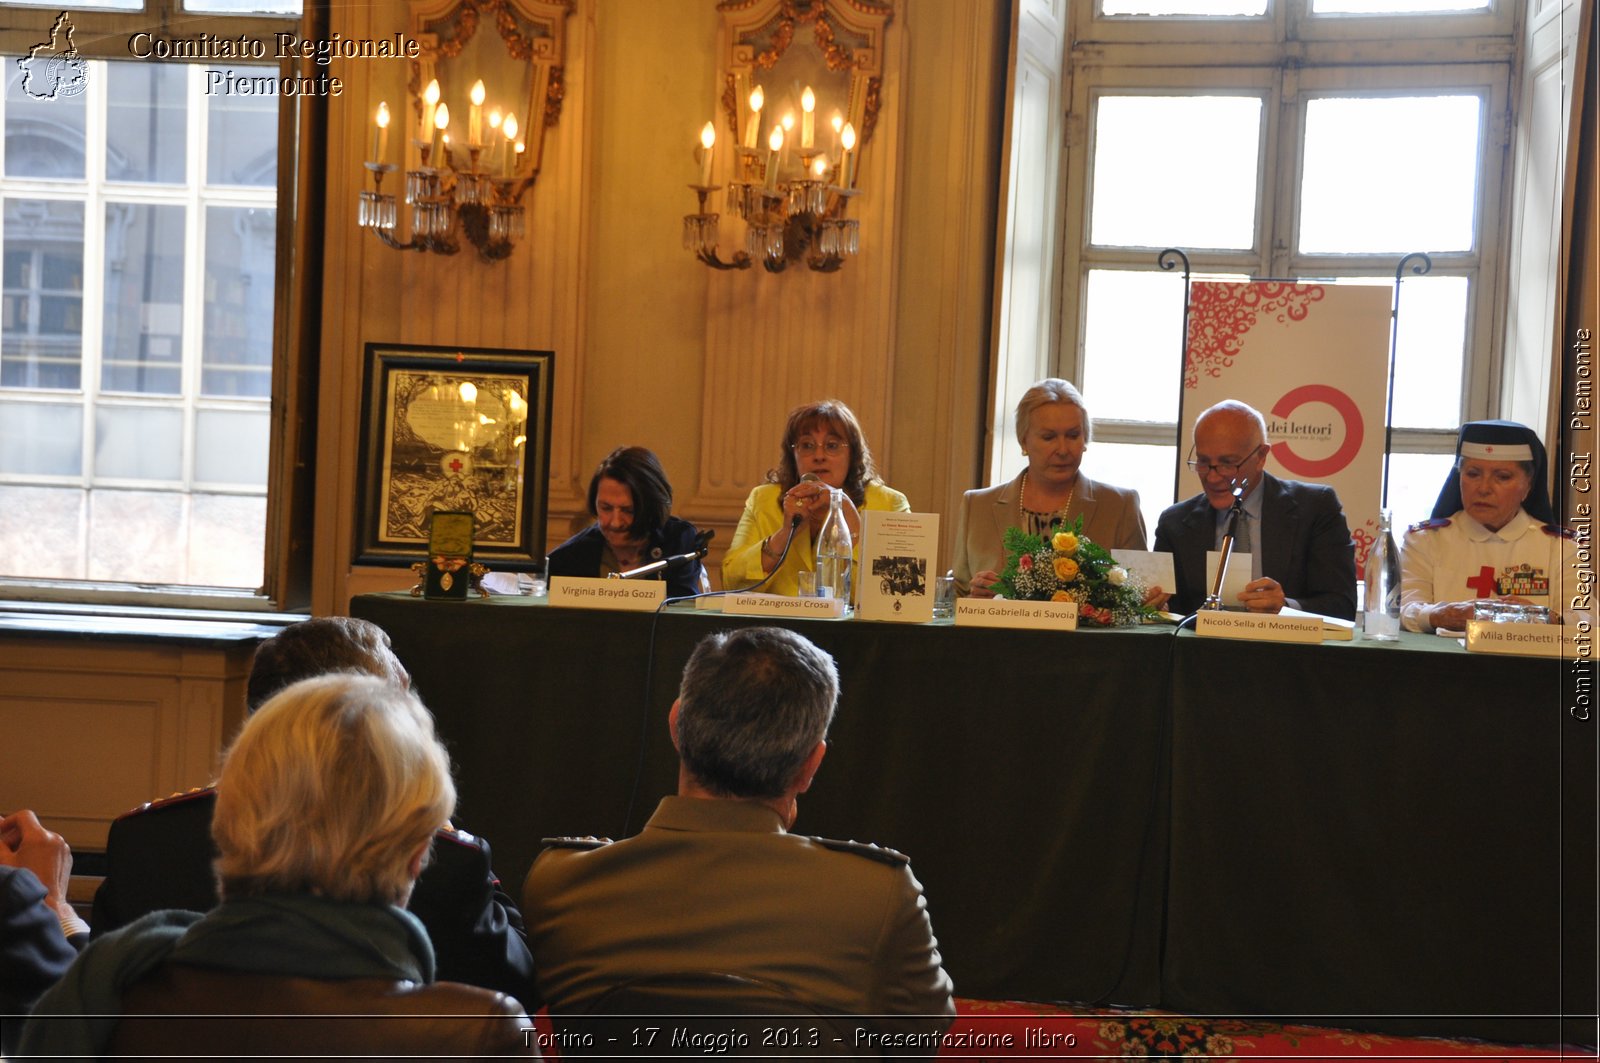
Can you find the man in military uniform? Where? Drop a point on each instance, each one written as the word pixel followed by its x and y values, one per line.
pixel 159 855
pixel 716 883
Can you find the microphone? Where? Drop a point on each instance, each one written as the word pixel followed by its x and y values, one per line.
pixel 1214 599
pixel 700 550
pixel 807 478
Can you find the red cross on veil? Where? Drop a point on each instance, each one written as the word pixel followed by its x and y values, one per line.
pixel 455 466
pixel 1483 582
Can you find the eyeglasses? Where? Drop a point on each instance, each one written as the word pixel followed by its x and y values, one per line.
pixel 1228 470
pixel 831 447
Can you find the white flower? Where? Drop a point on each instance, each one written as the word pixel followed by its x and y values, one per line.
pixel 1116 575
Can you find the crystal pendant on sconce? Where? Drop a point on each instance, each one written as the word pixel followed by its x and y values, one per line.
pixel 765 241
pixel 506 223
pixel 431 218
pixel 421 184
pixel 839 237
pixel 807 197
pixel 472 188
pixel 699 232
pixel 376 211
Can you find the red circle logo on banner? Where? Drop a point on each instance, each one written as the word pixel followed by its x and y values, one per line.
pixel 1354 429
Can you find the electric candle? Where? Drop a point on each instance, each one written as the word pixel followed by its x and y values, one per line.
pixel 708 138
pixel 808 119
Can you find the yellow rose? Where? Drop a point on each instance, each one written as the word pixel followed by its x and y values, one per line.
pixel 1064 542
pixel 1061 596
pixel 1066 569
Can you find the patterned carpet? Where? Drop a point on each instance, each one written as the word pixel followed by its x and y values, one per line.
pixel 986 1029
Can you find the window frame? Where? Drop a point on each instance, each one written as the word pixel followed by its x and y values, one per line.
pixel 1133 55
pixel 290 407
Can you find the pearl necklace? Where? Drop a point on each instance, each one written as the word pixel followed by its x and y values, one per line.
pixel 1060 516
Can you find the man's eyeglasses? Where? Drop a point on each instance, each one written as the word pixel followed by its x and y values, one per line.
pixel 1228 470
pixel 808 448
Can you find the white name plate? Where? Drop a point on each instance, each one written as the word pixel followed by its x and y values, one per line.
pixel 591 592
pixel 1002 612
pixel 1263 627
pixel 783 605
pixel 1524 640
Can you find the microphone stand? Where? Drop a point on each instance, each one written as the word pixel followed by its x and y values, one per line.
pixel 1214 599
pixel 700 550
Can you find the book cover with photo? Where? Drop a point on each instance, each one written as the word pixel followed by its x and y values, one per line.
pixel 898 566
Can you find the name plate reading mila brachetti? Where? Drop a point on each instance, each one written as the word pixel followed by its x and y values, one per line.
pixel 591 592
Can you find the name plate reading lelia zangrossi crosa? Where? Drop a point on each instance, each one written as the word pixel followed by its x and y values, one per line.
pixel 592 592
pixel 1002 612
pixel 1263 627
pixel 783 605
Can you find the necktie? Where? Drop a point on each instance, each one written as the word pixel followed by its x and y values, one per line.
pixel 1242 540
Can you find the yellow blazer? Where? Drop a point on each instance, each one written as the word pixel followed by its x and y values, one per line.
pixel 763 515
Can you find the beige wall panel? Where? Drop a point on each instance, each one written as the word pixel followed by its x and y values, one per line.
pixel 159 714
pixel 531 300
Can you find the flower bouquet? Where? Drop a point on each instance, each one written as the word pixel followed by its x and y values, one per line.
pixel 1068 566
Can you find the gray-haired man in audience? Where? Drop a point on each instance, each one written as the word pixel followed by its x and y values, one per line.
pixel 715 883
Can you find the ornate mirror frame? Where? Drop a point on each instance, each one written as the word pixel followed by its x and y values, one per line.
pixel 533 32
pixel 847 35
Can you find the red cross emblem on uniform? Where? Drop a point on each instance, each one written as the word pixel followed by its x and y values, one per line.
pixel 455 466
pixel 1483 582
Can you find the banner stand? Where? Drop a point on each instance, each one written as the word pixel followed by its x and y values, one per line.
pixel 1419 264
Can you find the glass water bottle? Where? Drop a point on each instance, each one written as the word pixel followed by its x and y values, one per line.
pixel 834 548
pixel 1382 620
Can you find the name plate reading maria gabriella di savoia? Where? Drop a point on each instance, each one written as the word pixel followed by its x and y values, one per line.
pixel 1002 612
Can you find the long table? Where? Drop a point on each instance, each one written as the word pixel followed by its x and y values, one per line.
pixel 1402 835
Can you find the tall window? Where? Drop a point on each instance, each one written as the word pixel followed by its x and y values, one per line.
pixel 138 234
pixel 1304 139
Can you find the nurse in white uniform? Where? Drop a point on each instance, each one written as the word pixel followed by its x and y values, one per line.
pixel 1493 534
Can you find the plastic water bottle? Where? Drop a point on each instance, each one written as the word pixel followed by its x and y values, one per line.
pixel 1382 621
pixel 834 547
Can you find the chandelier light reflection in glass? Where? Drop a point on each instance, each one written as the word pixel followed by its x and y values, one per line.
pixel 791 192
pixel 477 194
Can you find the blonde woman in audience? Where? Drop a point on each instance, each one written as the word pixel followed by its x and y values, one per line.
pixel 326 809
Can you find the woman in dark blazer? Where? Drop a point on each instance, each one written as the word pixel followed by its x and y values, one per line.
pixel 631 501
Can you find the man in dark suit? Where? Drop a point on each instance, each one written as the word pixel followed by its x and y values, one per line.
pixel 40 934
pixel 1299 542
pixel 159 855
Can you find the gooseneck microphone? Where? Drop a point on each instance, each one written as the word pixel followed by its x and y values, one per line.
pixel 1214 599
pixel 700 550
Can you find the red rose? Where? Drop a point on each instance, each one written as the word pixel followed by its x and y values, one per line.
pixel 1025 562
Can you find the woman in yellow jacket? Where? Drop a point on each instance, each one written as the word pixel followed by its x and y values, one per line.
pixel 823 439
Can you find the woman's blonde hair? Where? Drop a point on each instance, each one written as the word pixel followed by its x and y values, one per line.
pixel 331 788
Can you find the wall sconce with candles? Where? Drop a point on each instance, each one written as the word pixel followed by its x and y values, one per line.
pixel 471 185
pixel 791 192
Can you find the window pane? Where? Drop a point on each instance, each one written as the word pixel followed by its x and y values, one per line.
pixel 1394 7
pixel 242 133
pixel 1431 352
pixel 1411 163
pixel 41 439
pixel 1144 196
pixel 147 116
pixel 136 535
pixel 138 443
pixel 44 119
pixel 1222 8
pixel 230 447
pixel 41 530
pixel 237 355
pixel 1133 345
pixel 92 5
pixel 225 544
pixel 1147 468
pixel 246 7
pixel 143 346
pixel 41 304
pixel 1414 483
